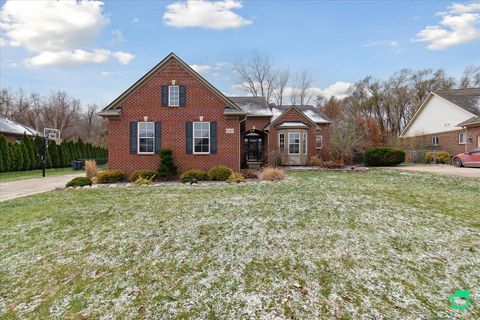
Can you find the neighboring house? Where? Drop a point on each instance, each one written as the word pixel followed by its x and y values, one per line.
pixel 14 131
pixel 174 107
pixel 447 119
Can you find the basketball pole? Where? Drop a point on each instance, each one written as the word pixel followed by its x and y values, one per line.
pixel 44 155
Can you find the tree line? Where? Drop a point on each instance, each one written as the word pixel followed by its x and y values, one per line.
pixel 25 154
pixel 376 111
pixel 55 110
pixel 373 113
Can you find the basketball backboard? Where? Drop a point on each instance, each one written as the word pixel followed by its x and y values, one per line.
pixel 51 134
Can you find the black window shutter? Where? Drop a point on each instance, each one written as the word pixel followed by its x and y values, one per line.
pixel 183 96
pixel 189 137
pixel 165 96
pixel 133 137
pixel 213 137
pixel 158 137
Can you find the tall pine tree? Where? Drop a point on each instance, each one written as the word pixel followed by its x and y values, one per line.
pixel 25 156
pixel 4 153
pixel 53 151
pixel 19 156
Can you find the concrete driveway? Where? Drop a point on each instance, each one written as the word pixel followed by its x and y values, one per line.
pixel 441 169
pixel 14 189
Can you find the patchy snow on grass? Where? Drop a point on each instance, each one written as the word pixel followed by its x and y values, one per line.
pixel 382 244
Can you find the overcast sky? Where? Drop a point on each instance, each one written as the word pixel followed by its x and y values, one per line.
pixel 95 50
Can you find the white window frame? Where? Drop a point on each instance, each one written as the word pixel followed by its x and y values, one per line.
pixel 193 137
pixel 464 138
pixel 318 137
pixel 435 141
pixel 138 137
pixel 299 143
pixel 170 95
pixel 304 143
pixel 280 141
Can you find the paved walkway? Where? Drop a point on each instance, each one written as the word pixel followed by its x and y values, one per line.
pixel 21 188
pixel 442 169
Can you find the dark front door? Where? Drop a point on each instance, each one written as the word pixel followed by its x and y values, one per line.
pixel 253 147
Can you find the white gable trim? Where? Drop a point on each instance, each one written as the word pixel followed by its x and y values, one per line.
pixel 423 105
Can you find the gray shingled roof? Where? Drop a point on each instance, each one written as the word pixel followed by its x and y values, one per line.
pixel 258 106
pixel 15 128
pixel 469 122
pixel 468 99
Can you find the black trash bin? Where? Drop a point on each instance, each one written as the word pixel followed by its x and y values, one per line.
pixel 76 164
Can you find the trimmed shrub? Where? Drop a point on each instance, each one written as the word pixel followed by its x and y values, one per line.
pixel 332 164
pixel 141 181
pixel 272 174
pixel 193 175
pixel 249 174
pixel 219 173
pixel 439 156
pixel 91 169
pixel 110 176
pixel 384 156
pixel 79 182
pixel 146 174
pixel 315 160
pixel 236 177
pixel 166 168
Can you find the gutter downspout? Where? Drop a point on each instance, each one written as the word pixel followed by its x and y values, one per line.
pixel 240 141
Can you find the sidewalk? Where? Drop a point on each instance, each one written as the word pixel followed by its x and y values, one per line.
pixel 14 189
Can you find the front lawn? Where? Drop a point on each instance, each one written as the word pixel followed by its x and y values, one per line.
pixel 377 245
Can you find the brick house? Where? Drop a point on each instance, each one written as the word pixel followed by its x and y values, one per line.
pixel 174 107
pixel 448 120
pixel 14 131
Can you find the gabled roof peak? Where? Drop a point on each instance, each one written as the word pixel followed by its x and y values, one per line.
pixel 155 69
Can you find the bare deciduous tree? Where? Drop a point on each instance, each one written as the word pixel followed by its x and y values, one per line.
pixel 470 77
pixel 281 80
pixel 301 92
pixel 257 76
pixel 57 110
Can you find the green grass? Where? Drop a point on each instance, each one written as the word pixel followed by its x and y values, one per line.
pixel 382 244
pixel 32 174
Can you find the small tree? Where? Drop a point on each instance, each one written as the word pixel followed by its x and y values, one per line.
pixel 167 167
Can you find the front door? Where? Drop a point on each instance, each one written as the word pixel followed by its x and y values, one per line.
pixel 253 147
pixel 478 141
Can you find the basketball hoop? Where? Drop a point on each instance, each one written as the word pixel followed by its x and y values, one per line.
pixel 52 134
pixel 48 134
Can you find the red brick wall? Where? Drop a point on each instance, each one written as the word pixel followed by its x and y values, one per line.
pixel 324 129
pixel 258 123
pixel 11 138
pixel 447 141
pixel 294 116
pixel 146 101
pixel 474 133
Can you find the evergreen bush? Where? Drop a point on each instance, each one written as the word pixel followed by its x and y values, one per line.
pixel 166 168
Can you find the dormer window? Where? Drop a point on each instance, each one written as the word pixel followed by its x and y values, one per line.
pixel 173 96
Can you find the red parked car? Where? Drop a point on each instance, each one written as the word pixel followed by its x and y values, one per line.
pixel 467 159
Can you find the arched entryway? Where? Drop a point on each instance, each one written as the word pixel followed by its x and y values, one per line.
pixel 253 146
